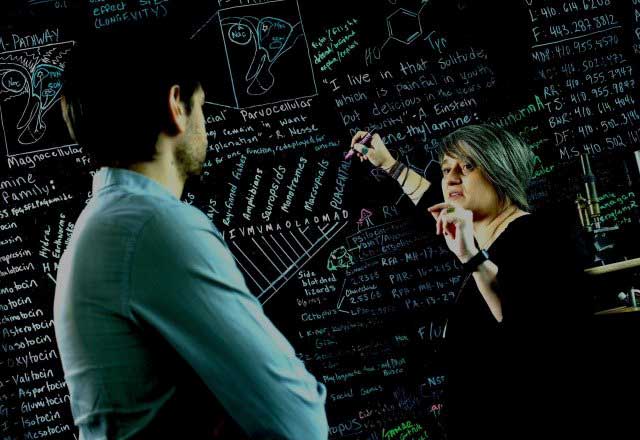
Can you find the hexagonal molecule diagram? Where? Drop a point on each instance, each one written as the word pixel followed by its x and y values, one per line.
pixel 266 52
pixel 404 26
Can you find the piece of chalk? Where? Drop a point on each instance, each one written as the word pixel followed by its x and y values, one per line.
pixel 364 141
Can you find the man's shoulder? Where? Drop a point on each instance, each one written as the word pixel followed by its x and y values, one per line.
pixel 140 218
pixel 177 243
pixel 178 228
pixel 124 208
pixel 135 210
pixel 180 217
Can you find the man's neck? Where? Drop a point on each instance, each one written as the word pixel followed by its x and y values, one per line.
pixel 163 172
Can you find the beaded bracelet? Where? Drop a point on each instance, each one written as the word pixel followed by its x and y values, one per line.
pixel 393 168
pixel 406 176
pixel 398 171
pixel 418 186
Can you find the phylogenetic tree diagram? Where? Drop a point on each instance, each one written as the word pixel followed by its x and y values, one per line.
pixel 270 260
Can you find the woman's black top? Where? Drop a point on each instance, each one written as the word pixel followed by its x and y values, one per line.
pixel 522 377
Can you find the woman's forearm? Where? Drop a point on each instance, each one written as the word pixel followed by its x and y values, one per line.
pixel 414 184
pixel 485 277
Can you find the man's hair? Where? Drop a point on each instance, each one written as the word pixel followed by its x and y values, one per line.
pixel 504 159
pixel 117 90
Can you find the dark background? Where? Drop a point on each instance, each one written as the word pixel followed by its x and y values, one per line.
pixel 347 270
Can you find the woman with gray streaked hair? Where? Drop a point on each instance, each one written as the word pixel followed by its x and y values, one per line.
pixel 511 336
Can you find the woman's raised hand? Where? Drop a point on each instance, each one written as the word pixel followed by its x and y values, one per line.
pixel 456 224
pixel 376 152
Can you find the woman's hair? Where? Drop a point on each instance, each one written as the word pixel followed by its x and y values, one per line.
pixel 504 159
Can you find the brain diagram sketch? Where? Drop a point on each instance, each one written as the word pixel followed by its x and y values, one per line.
pixel 272 37
pixel 30 85
pixel 42 87
pixel 266 53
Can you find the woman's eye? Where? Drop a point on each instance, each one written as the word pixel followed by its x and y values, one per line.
pixel 468 166
pixel 445 171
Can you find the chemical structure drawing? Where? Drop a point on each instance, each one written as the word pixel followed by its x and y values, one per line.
pixel 404 25
pixel 365 217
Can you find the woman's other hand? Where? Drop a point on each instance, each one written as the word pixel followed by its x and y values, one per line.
pixel 456 224
pixel 376 152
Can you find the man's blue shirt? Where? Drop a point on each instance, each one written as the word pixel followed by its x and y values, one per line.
pixel 147 294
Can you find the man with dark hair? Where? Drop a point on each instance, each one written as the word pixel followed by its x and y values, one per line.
pixel 158 334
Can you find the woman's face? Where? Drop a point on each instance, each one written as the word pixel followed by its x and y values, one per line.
pixel 466 186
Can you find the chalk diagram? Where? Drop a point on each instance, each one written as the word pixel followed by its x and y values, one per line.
pixel 365 218
pixel 272 37
pixel 270 260
pixel 30 85
pixel 266 52
pixel 353 255
pixel 404 25
pixel 340 258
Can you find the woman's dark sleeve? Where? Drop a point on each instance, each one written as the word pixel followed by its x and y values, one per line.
pixel 546 327
pixel 540 278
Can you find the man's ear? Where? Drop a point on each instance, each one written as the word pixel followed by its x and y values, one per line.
pixel 67 118
pixel 177 112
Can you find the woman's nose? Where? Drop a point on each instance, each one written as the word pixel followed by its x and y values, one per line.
pixel 453 177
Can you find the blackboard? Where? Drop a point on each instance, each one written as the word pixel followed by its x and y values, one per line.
pixel 339 258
